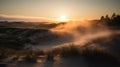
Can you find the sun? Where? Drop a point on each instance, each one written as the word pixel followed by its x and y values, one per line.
pixel 63 18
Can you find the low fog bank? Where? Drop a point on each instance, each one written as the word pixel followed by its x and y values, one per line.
pixel 84 32
pixel 72 32
pixel 89 36
pixel 48 35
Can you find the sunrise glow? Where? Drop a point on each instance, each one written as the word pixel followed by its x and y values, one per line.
pixel 63 18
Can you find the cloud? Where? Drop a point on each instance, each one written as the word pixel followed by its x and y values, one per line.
pixel 24 18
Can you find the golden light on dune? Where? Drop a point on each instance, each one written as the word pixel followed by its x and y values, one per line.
pixel 63 18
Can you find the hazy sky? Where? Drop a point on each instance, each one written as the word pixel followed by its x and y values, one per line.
pixel 74 9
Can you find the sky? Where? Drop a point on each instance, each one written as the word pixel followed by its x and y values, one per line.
pixel 72 9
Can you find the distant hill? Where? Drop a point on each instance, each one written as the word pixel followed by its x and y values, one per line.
pixel 34 25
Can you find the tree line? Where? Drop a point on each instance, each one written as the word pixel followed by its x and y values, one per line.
pixel 113 21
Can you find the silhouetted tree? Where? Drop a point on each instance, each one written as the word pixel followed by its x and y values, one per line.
pixel 113 16
pixel 107 18
pixel 102 18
